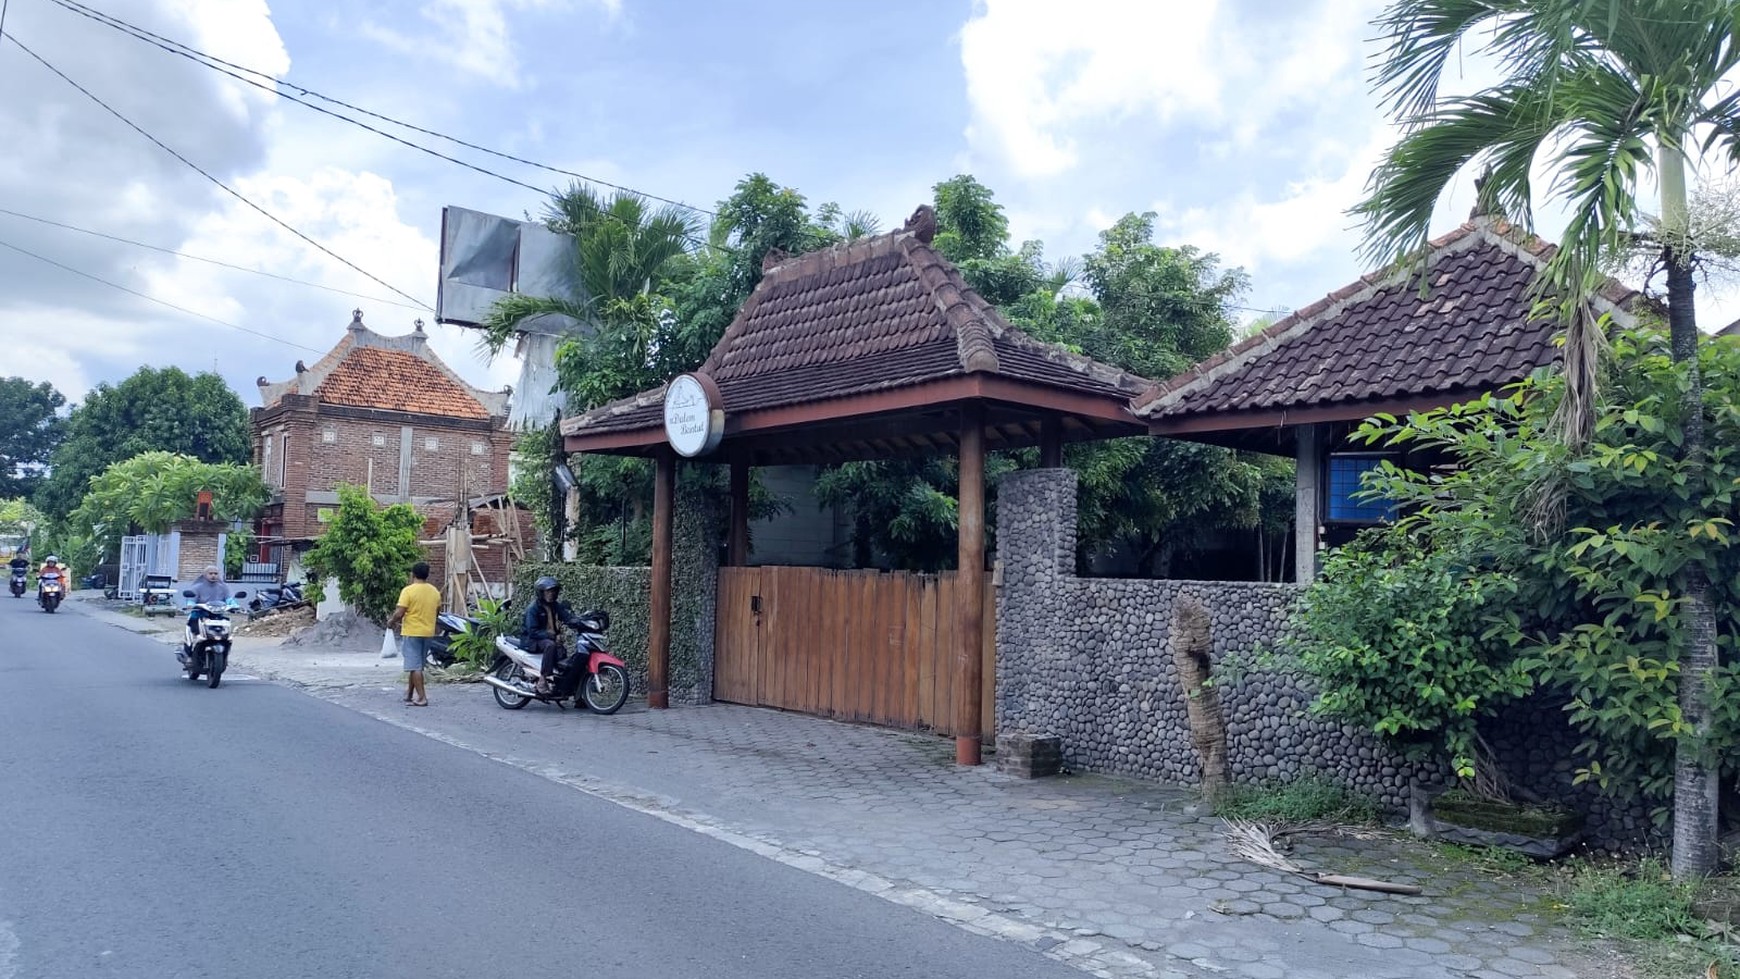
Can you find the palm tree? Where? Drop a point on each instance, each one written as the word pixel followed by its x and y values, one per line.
pixel 1608 91
pixel 622 249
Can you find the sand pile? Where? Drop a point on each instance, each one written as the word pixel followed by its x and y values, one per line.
pixel 341 630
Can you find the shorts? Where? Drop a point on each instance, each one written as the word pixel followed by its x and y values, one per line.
pixel 411 650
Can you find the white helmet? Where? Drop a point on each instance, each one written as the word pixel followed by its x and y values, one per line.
pixel 51 559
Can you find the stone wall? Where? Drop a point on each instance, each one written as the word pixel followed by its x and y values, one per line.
pixel 1090 659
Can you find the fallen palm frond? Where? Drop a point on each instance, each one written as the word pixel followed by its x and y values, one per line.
pixel 1256 842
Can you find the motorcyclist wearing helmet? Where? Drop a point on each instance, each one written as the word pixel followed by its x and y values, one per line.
pixel 541 630
pixel 51 566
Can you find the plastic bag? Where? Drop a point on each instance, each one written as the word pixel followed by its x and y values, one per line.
pixel 389 646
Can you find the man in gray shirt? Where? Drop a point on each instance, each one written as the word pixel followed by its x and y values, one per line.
pixel 209 587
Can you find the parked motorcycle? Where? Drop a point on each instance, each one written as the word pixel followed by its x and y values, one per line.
pixel 205 641
pixel 50 591
pixel 280 598
pixel 438 652
pixel 587 675
pixel 19 584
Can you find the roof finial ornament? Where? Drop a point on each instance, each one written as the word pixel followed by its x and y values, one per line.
pixel 301 368
pixel 417 327
pixel 774 257
pixel 1486 209
pixel 922 224
pixel 356 323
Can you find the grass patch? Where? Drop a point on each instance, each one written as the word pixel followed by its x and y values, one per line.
pixel 1311 799
pixel 1661 922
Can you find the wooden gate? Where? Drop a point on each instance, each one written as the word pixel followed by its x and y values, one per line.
pixel 856 645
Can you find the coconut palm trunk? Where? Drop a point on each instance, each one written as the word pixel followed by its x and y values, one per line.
pixel 1697 782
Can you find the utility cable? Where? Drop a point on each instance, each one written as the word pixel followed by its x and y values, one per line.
pixel 160 302
pixel 221 185
pixel 209 261
pixel 194 54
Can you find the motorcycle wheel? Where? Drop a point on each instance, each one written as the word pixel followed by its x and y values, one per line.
pixel 506 672
pixel 607 690
pixel 215 675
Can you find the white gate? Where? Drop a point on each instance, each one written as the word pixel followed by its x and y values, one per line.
pixel 134 555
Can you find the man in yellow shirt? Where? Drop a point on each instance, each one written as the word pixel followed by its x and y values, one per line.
pixel 418 604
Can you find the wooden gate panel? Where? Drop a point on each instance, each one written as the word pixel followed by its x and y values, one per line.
pixel 860 645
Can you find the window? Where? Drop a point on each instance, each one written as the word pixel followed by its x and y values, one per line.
pixel 283 459
pixel 266 461
pixel 432 445
pixel 478 448
pixel 328 436
pixel 1344 485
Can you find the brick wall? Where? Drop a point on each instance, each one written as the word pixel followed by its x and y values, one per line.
pixel 314 448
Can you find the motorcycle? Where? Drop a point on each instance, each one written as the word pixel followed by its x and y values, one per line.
pixel 439 652
pixel 19 585
pixel 49 591
pixel 205 641
pixel 279 599
pixel 587 675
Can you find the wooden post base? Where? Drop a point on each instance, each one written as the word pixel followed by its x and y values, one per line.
pixel 966 750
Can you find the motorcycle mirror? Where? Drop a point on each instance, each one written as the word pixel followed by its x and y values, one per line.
pixel 187 593
pixel 240 594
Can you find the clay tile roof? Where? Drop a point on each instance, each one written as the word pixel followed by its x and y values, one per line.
pixel 874 314
pixel 394 380
pixel 1383 338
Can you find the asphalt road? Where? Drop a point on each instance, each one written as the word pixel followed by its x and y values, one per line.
pixel 150 827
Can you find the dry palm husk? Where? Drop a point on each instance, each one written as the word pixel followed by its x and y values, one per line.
pixel 1256 842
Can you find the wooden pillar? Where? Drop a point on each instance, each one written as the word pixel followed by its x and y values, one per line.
pixel 1051 443
pixel 737 548
pixel 658 652
pixel 970 588
pixel 1307 501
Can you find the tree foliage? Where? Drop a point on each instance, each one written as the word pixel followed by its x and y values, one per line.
pixel 1608 93
pixel 1592 608
pixel 155 409
pixel 30 428
pixel 369 549
pixel 154 490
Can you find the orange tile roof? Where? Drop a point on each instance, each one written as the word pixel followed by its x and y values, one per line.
pixel 393 380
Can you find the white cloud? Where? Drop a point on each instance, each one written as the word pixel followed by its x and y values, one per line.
pixel 1032 71
pixel 472 36
pixel 1039 82
pixel 1307 218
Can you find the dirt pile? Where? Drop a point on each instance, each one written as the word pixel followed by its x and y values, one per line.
pixel 277 623
pixel 341 630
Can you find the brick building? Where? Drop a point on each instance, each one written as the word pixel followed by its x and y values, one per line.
pixel 379 412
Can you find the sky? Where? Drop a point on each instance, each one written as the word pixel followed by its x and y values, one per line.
pixel 1246 126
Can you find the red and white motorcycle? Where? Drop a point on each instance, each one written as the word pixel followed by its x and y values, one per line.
pixel 587 674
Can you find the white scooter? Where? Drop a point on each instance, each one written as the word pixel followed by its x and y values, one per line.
pixel 205 642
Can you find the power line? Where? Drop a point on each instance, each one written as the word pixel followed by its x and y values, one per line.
pixel 198 56
pixel 209 261
pixel 160 302
pixel 223 186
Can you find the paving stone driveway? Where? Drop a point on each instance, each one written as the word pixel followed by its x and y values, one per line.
pixel 1119 877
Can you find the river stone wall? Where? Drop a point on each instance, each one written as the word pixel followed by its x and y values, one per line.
pixel 1090 660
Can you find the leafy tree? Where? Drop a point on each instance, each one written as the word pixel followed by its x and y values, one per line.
pixel 156 409
pixel 30 428
pixel 1588 608
pixel 1610 91
pixel 1397 639
pixel 18 517
pixel 1162 309
pixel 154 490
pixel 369 549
